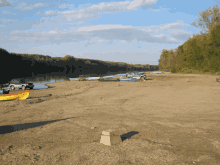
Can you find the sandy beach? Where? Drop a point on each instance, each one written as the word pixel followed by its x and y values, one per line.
pixel 172 119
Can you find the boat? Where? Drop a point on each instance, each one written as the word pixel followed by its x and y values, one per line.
pixel 108 76
pixel 137 77
pixel 21 95
pixel 72 79
pixel 156 72
pixel 92 78
pixel 128 79
pixel 120 75
pixel 102 79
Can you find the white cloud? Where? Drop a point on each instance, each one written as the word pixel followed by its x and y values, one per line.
pixel 173 25
pixel 102 27
pixel 180 34
pixel 8 12
pixel 38 13
pixel 50 12
pixel 53 22
pixel 8 20
pixel 11 1
pixel 5 3
pixel 2 26
pixel 134 4
pixel 52 32
pixel 95 10
pixel 66 5
pixel 172 39
pixel 74 23
pixel 141 3
pixel 37 5
pixel 159 36
pixel 157 10
pixel 95 34
pixel 23 6
pixel 102 40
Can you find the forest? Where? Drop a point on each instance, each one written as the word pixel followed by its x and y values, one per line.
pixel 31 66
pixel 200 53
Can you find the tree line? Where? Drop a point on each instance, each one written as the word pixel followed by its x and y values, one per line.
pixel 14 65
pixel 200 53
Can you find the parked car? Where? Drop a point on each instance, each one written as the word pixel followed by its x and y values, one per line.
pixel 20 83
pixel 5 88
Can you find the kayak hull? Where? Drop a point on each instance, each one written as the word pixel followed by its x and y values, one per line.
pixel 21 95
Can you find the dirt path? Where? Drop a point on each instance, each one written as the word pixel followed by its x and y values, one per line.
pixel 172 119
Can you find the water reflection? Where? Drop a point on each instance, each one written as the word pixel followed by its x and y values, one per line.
pixel 42 84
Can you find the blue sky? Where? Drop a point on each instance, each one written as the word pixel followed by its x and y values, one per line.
pixel 131 31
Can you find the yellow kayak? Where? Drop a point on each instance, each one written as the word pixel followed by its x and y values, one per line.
pixel 21 95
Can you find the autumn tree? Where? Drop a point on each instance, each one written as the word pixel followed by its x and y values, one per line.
pixel 208 18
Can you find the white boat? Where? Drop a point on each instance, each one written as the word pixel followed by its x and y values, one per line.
pixel 92 78
pixel 120 75
pixel 156 72
pixel 137 77
pixel 128 79
pixel 72 79
pixel 108 76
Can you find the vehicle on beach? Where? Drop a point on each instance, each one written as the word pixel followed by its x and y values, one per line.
pixel 4 88
pixel 137 75
pixel 20 83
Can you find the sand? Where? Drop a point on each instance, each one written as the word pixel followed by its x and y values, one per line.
pixel 171 119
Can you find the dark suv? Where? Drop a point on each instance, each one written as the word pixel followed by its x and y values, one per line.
pixel 20 83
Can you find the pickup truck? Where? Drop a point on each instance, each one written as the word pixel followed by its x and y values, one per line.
pixel 20 83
